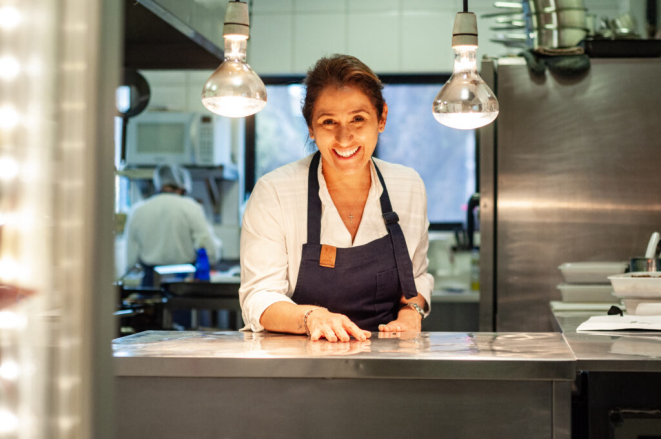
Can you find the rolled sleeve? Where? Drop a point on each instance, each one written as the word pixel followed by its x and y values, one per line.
pixel 264 260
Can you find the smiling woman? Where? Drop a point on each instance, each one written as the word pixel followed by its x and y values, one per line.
pixel 326 249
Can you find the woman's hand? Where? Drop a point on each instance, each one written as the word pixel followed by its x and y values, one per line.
pixel 334 327
pixel 408 320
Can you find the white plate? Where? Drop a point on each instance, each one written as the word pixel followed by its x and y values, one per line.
pixel 632 285
pixel 587 293
pixel 591 272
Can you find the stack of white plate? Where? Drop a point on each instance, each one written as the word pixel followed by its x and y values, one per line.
pixel 589 281
pixel 640 290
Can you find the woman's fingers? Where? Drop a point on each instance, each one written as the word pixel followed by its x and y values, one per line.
pixel 354 330
pixel 329 333
pixel 395 326
pixel 315 334
pixel 341 333
pixel 334 327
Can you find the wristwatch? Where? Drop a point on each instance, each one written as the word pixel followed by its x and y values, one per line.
pixel 416 307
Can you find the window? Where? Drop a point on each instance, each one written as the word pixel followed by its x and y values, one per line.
pixel 444 157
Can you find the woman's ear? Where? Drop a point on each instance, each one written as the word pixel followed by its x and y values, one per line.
pixel 384 117
pixel 311 133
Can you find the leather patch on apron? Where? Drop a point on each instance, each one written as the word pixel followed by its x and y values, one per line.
pixel 327 256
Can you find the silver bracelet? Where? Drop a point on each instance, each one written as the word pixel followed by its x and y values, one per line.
pixel 305 319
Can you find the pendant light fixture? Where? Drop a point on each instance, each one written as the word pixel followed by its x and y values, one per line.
pixel 465 102
pixel 234 89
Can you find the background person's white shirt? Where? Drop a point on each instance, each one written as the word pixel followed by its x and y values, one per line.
pixel 275 229
pixel 168 229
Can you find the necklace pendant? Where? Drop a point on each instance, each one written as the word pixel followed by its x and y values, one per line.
pixel 350 218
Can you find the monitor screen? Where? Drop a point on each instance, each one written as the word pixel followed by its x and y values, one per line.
pixel 161 138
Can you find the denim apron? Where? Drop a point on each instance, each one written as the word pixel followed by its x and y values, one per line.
pixel 365 282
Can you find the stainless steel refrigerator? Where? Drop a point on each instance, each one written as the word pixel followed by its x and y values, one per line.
pixel 570 171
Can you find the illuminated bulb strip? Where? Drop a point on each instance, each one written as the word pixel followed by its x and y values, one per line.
pixel 8 320
pixel 9 370
pixel 9 68
pixel 9 117
pixel 8 168
pixel 8 421
pixel 9 17
pixel 7 269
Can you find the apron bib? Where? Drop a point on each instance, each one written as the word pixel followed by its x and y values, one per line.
pixel 365 282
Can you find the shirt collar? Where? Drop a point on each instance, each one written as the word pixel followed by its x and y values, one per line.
pixel 375 186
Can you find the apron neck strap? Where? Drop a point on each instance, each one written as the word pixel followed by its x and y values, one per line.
pixel 386 208
pixel 314 202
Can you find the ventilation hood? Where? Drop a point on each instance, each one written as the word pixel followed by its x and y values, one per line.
pixel 173 34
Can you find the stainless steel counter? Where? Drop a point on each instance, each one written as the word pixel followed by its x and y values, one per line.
pixel 231 384
pixel 520 356
pixel 610 351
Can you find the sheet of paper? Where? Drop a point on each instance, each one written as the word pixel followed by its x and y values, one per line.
pixel 619 323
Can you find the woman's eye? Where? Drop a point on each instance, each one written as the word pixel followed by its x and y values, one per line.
pixel 359 119
pixel 327 122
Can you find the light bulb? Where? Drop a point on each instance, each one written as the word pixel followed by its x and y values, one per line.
pixel 8 422
pixel 9 118
pixel 8 168
pixel 465 102
pixel 9 68
pixel 234 89
pixel 9 370
pixel 9 17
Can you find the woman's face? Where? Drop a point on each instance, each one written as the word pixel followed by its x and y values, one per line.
pixel 345 128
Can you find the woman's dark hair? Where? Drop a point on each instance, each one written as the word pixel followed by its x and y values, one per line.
pixel 340 71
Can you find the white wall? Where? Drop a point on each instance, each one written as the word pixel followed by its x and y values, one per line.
pixel 391 36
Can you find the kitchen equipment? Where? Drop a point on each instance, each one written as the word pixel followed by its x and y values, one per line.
pixel 511 40
pixel 591 272
pixel 587 293
pixel 645 264
pixel 553 5
pixel 556 186
pixel 602 48
pixel 178 138
pixel 651 246
pixel 558 19
pixel 557 38
pixel 132 97
pixel 643 307
pixel 639 284
pixel 651 261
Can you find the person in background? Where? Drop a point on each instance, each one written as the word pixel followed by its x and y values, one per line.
pixel 168 228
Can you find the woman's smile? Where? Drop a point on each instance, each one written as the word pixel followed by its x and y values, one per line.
pixel 346 154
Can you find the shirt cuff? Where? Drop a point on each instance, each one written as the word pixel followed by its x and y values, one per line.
pixel 258 305
pixel 424 285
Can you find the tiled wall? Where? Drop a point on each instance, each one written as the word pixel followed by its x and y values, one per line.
pixel 391 36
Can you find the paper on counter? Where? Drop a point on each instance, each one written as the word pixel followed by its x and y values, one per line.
pixel 619 323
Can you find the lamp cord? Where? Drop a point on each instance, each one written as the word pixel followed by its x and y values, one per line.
pixel 465 5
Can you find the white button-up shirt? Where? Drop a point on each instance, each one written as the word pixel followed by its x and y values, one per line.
pixel 168 229
pixel 275 229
